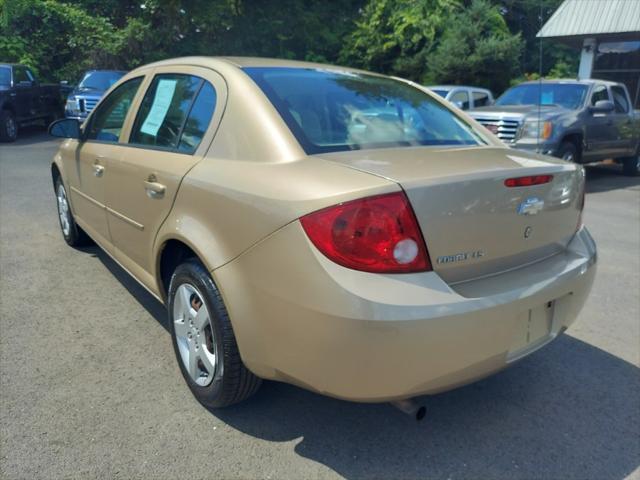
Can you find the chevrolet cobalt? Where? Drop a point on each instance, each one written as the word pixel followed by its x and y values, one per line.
pixel 343 231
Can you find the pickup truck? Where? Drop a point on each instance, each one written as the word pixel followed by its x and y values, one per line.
pixel 582 121
pixel 25 100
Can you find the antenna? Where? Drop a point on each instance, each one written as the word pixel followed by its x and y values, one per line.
pixel 539 82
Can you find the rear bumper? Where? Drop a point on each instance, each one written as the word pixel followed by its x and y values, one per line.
pixel 302 319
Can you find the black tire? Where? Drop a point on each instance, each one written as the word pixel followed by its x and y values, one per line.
pixel 631 165
pixel 231 382
pixel 8 126
pixel 568 152
pixel 73 234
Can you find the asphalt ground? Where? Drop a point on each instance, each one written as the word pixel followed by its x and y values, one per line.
pixel 90 388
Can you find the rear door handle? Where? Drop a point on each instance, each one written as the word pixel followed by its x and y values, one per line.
pixel 98 170
pixel 153 188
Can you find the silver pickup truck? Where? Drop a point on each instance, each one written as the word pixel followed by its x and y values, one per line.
pixel 582 121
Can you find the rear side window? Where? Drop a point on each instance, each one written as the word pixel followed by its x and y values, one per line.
pixel 199 119
pixel 620 99
pixel 480 99
pixel 335 110
pixel 107 119
pixel 169 118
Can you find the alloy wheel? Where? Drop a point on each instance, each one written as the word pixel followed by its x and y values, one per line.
pixel 10 127
pixel 194 335
pixel 63 211
pixel 568 157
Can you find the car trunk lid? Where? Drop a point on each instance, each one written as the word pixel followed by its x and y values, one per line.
pixel 473 224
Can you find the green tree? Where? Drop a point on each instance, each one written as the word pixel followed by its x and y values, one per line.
pixel 476 48
pixel 528 17
pixel 396 36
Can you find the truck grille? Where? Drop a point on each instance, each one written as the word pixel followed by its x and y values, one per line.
pixel 87 104
pixel 505 129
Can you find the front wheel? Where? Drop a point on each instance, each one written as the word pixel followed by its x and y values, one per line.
pixel 203 339
pixel 631 166
pixel 568 152
pixel 72 233
pixel 8 126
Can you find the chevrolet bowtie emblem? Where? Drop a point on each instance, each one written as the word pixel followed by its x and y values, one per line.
pixel 531 206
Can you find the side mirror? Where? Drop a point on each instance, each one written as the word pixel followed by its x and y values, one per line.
pixel 602 106
pixel 65 128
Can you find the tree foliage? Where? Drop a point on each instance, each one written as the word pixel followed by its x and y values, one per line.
pixel 396 36
pixel 483 42
pixel 477 48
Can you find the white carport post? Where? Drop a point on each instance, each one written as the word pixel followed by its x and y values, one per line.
pixel 586 58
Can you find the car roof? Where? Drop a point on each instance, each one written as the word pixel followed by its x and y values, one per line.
pixel 112 71
pixel 569 81
pixel 247 62
pixel 451 87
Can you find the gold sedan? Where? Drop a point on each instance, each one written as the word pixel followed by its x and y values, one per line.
pixel 339 230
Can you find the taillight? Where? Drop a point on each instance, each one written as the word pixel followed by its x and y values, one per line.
pixel 375 234
pixel 528 181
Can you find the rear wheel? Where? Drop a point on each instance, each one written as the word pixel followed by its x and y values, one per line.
pixel 203 339
pixel 8 126
pixel 72 233
pixel 568 152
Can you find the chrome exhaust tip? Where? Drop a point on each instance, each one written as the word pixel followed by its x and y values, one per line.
pixel 411 408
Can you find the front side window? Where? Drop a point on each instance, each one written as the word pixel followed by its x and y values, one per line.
pixel 480 99
pixel 460 99
pixel 620 100
pixel 106 122
pixel 20 75
pixel 599 93
pixel 164 110
pixel 331 110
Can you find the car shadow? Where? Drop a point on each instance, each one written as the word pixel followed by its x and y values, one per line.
pixel 29 135
pixel 605 177
pixel 570 410
pixel 144 298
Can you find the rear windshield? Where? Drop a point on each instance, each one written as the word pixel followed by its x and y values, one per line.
pixel 562 94
pixel 100 80
pixel 332 111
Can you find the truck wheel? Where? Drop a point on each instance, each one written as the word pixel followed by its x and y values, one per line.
pixel 568 152
pixel 631 166
pixel 8 126
pixel 203 339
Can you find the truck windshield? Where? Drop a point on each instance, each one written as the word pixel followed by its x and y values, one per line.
pixel 100 80
pixel 333 110
pixel 566 95
pixel 5 76
pixel 442 93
